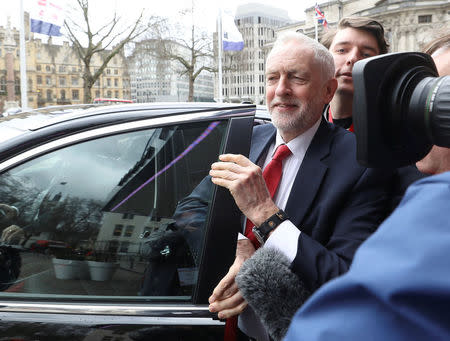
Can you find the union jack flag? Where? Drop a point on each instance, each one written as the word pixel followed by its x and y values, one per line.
pixel 320 16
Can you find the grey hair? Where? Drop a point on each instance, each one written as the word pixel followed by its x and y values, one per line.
pixel 322 56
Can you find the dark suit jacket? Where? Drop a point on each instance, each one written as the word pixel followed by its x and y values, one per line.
pixel 335 202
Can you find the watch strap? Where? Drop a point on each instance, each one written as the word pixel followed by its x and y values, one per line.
pixel 262 231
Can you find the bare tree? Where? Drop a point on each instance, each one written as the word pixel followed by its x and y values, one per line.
pixel 106 42
pixel 200 49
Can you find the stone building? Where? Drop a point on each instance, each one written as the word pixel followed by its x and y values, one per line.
pixel 243 71
pixel 155 78
pixel 409 25
pixel 54 73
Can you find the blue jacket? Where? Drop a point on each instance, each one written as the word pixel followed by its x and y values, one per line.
pixel 398 287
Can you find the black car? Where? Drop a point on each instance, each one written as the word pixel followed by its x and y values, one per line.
pixel 92 247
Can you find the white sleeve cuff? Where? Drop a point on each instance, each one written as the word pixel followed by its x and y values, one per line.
pixel 241 236
pixel 285 239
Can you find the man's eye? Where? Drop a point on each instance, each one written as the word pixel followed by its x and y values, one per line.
pixel 340 50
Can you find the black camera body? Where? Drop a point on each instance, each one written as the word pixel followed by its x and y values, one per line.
pixel 401 108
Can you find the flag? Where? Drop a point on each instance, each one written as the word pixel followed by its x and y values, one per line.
pixel 320 16
pixel 232 39
pixel 46 17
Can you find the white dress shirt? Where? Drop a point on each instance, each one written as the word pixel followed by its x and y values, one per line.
pixel 285 236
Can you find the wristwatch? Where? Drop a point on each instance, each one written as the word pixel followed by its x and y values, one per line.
pixel 262 231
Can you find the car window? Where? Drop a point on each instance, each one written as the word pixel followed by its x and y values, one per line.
pixel 96 219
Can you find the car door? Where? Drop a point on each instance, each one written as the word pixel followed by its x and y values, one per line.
pixel 94 243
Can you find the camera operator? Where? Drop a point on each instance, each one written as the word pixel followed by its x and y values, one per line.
pixel 398 287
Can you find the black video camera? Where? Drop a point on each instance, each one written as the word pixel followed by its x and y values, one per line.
pixel 401 108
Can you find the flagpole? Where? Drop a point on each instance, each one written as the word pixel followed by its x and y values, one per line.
pixel 23 61
pixel 220 47
pixel 316 19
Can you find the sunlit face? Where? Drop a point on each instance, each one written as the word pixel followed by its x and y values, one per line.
pixel 438 159
pixel 348 46
pixel 295 91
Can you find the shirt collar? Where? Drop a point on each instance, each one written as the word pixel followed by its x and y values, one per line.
pixel 300 144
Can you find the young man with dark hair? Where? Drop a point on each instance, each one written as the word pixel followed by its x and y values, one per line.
pixel 355 38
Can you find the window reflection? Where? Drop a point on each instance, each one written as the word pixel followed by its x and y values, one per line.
pixel 89 221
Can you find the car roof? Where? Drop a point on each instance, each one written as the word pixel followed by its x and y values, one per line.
pixel 37 119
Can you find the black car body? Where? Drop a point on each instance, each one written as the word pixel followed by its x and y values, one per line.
pixel 99 187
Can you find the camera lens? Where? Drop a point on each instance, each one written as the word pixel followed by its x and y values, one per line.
pixel 430 108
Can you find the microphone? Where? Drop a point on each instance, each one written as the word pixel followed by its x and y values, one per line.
pixel 272 290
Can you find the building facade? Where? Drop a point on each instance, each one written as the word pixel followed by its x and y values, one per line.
pixel 244 71
pixel 409 25
pixel 55 73
pixel 155 78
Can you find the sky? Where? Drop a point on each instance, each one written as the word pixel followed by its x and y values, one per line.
pixel 129 9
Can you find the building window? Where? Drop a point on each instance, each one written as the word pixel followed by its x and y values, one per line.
pixel 129 231
pixel 124 247
pixel 109 94
pixel 47 68
pixel 74 80
pixel 423 19
pixel 97 93
pixel 116 94
pixel 62 68
pixel 63 94
pixel 74 69
pixel 48 80
pixel 38 68
pixel 116 82
pixel 49 95
pixel 118 230
pixel 108 71
pixel 62 81
pixel 108 82
pixel 39 79
pixel 116 72
pixel 75 94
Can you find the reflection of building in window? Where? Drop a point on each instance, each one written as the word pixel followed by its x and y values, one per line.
pixel 129 231
pixel 143 230
pixel 124 246
pixel 118 230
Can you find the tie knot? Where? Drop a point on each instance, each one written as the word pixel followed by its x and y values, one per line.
pixel 281 153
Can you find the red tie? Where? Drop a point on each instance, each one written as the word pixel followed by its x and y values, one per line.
pixel 272 175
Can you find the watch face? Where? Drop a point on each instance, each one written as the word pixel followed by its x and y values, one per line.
pixel 258 235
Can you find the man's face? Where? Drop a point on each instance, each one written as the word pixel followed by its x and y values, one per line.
pixel 438 159
pixel 295 90
pixel 348 46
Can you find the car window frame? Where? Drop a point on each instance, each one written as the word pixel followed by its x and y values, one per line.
pixel 218 238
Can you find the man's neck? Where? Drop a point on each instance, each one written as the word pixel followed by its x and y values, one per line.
pixel 341 107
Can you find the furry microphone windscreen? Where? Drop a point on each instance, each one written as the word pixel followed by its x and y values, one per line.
pixel 271 289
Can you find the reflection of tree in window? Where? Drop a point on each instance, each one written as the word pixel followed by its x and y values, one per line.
pixel 118 230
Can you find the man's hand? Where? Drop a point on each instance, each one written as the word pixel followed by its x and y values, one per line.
pixel 246 184
pixel 226 298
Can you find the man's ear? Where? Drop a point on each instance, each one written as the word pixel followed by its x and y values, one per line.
pixel 329 89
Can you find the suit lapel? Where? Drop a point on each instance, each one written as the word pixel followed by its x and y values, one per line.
pixel 262 137
pixel 310 175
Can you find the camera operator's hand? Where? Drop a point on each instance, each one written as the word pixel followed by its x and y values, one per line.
pixel 12 234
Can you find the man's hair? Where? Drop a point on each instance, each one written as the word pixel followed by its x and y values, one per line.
pixel 368 25
pixel 438 45
pixel 321 55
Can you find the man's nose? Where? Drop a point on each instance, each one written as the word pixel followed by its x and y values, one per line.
pixel 283 87
pixel 353 57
